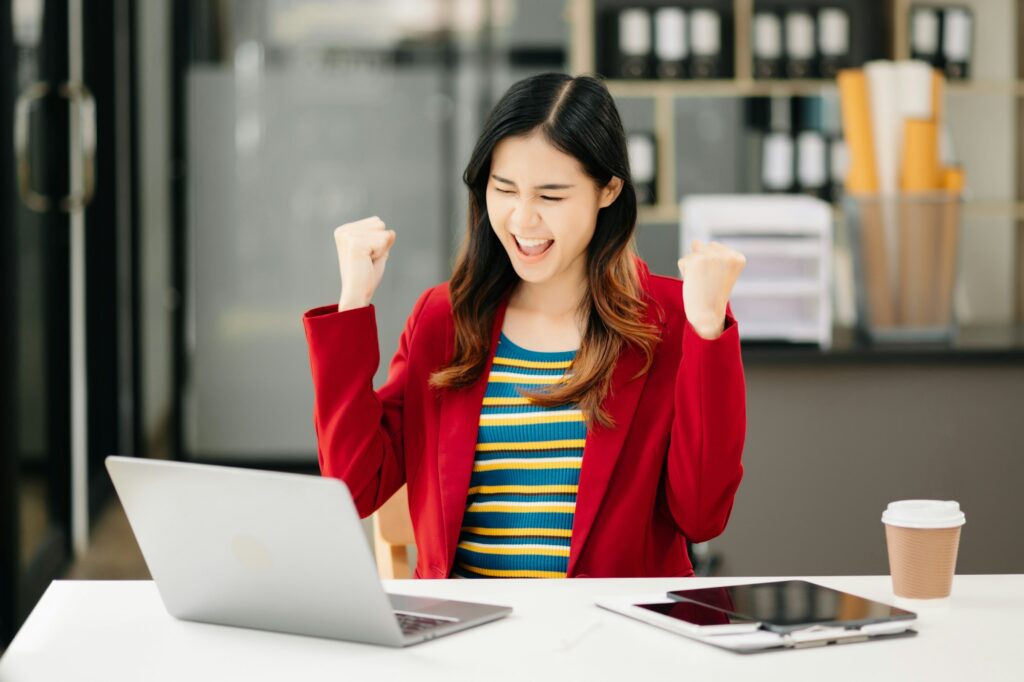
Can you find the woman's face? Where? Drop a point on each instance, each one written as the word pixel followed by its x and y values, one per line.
pixel 543 207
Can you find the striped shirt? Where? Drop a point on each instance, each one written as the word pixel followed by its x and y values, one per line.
pixel 522 493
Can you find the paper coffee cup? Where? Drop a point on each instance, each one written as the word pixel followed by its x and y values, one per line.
pixel 923 537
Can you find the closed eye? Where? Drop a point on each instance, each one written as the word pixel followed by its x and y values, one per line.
pixel 505 191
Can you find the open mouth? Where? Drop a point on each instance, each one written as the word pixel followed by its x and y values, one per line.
pixel 533 247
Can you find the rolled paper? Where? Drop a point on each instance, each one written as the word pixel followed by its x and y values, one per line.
pixel 914 95
pixel 953 179
pixel 861 174
pixel 920 163
pixel 883 99
pixel 919 224
pixel 914 89
pixel 938 95
pixel 862 185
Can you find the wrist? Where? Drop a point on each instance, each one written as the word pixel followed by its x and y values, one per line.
pixel 350 304
pixel 708 327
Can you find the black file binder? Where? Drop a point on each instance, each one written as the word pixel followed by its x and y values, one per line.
pixel 766 43
pixel 777 148
pixel 643 166
pixel 943 36
pixel 777 157
pixel 671 42
pixel 812 163
pixel 957 40
pixel 925 35
pixel 634 43
pixel 800 53
pixel 838 163
pixel 833 41
pixel 706 43
pixel 811 148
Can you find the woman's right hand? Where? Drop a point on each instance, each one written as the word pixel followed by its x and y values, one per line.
pixel 363 248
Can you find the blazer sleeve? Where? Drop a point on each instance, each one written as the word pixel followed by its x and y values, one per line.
pixel 703 468
pixel 358 429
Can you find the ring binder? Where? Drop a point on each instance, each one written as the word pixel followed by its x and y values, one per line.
pixel 767 45
pixel 924 35
pixel 670 42
pixel 957 25
pixel 634 43
pixel 706 43
pixel 799 44
pixel 833 41
pixel 643 166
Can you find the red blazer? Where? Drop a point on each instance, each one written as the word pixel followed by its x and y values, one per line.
pixel 668 471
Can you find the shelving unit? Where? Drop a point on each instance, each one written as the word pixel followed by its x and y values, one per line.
pixel 1019 168
pixel 664 93
pixel 980 208
pixel 750 87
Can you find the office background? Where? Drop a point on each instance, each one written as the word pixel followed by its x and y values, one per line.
pixel 155 286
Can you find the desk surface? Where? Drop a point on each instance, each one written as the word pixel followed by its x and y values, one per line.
pixel 120 631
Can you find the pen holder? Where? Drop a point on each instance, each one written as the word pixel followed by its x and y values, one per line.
pixel 905 253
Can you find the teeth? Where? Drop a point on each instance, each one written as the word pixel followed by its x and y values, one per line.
pixel 532 242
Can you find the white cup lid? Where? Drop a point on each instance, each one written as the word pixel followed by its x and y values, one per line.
pixel 924 514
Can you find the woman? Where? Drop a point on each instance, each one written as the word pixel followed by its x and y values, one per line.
pixel 556 409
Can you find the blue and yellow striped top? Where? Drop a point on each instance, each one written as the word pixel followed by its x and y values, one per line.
pixel 522 494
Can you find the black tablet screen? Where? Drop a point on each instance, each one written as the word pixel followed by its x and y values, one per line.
pixel 697 614
pixel 791 603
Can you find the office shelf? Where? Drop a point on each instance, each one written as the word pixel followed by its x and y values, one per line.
pixel 658 213
pixel 750 87
pixel 973 344
pixel 979 208
pixel 983 87
pixel 665 93
pixel 719 87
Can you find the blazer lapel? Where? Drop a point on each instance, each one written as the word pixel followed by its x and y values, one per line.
pixel 457 437
pixel 604 445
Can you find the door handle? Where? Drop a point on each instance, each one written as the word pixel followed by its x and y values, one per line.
pixel 22 111
pixel 83 118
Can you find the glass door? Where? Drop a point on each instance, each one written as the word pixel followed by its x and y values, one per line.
pixel 67 347
pixel 295 117
pixel 37 335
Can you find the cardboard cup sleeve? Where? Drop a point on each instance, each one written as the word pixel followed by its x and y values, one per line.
pixel 922 560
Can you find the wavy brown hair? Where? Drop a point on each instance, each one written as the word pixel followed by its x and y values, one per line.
pixel 578 117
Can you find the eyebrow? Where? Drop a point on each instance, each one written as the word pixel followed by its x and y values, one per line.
pixel 501 179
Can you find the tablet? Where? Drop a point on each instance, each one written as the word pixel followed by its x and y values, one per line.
pixel 700 619
pixel 788 605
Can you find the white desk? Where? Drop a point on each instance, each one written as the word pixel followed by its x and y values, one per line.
pixel 120 631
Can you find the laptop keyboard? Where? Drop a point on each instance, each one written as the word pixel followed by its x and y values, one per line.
pixel 412 625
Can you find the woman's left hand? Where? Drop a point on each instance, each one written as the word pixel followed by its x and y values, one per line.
pixel 709 273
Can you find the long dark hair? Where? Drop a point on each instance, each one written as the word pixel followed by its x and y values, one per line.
pixel 577 116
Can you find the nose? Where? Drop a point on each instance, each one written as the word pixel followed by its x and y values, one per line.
pixel 524 216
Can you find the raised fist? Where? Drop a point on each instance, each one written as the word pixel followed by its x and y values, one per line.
pixel 363 248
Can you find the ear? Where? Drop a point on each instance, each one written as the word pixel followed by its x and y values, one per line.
pixel 610 192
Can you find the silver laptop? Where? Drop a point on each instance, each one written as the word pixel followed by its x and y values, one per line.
pixel 272 551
